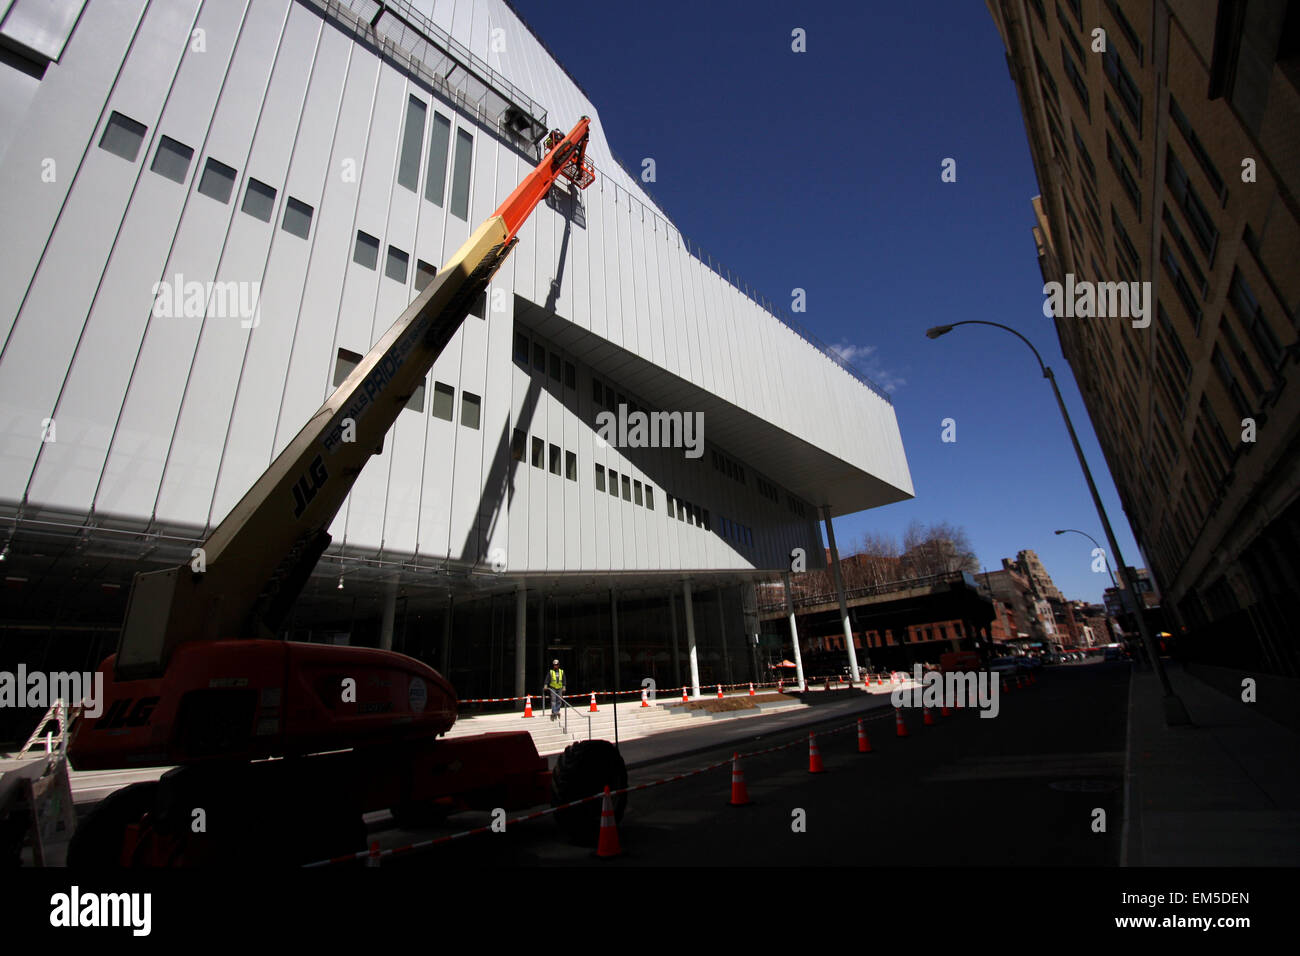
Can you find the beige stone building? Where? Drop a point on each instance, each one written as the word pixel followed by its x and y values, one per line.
pixel 1166 142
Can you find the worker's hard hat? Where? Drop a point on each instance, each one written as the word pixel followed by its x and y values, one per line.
pixel 556 661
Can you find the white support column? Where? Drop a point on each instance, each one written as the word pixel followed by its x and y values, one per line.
pixel 839 591
pixel 672 620
pixel 690 639
pixel 794 633
pixel 521 639
pixel 722 631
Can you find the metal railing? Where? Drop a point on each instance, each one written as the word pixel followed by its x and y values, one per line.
pixel 564 711
pixel 870 590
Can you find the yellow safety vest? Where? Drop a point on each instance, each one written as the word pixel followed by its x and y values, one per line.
pixel 557 679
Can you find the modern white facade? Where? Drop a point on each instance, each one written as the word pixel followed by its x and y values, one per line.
pixel 316 161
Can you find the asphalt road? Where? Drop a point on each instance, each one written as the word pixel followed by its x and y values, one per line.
pixel 1018 789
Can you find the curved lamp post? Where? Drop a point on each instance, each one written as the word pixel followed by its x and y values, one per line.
pixel 1099 548
pixel 1175 712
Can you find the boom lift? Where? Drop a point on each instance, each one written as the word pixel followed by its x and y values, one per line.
pixel 251 722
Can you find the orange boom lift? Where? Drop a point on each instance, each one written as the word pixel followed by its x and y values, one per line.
pixel 285 745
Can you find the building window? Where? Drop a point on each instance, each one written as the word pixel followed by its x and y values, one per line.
pixel 627 488
pixel 1076 80
pixel 408 167
pixel 600 477
pixel 539 453
pixel 521 349
pixel 217 181
pixel 424 273
pixel 636 493
pixel 672 510
pixel 1252 318
pixel 395 264
pixel 1125 176
pixel 609 397
pixel 570 466
pixel 460 174
pixel 1202 226
pixel 518 445
pixel 1198 149
pixel 597 392
pixel 123 136
pixel 1126 28
pixel 1125 88
pixel 444 401
pixel 416 402
pixel 469 409
pixel 613 483
pixel 1181 284
pixel 570 375
pixel 435 182
pixel 555 366
pixel 172 160
pixel 555 459
pixel 366 252
pixel 297 218
pixel 259 200
pixel 649 497
pixel 344 364
pixel 539 357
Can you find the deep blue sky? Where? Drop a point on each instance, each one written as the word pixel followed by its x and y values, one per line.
pixel 821 170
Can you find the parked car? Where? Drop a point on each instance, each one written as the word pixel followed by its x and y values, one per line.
pixel 1006 666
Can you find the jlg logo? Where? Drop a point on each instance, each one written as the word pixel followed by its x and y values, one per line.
pixel 305 488
pixel 122 714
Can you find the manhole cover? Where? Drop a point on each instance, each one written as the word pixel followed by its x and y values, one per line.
pixel 1084 786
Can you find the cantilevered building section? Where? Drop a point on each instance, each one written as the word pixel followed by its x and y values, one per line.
pixel 1173 157
pixel 214 210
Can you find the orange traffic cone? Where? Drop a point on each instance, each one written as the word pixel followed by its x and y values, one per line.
pixel 928 718
pixel 719 692
pixel 685 699
pixel 739 792
pixel 780 685
pixel 900 725
pixel 864 744
pixel 373 858
pixel 751 688
pixel 1019 686
pixel 814 757
pixel 608 844
pixel 880 681
pixel 644 700
pixel 592 709
pixel 528 706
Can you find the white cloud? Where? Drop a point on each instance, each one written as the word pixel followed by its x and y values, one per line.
pixel 864 358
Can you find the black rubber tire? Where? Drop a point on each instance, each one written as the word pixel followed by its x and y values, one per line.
pixel 585 768
pixel 97 840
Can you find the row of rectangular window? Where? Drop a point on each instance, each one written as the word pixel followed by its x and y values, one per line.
pixel 693 515
pixel 444 395
pixel 540 458
pixel 733 470
pixel 1198 217
pixel 123 137
pixel 739 533
pixel 633 490
pixel 558 368
pixel 408 166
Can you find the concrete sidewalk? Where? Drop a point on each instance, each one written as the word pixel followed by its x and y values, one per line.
pixel 1224 792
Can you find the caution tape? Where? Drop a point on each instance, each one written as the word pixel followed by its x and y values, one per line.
pixel 586 695
pixel 538 814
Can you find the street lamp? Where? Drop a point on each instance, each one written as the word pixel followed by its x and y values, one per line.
pixel 1099 547
pixel 1175 712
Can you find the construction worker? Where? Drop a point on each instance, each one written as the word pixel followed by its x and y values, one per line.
pixel 555 684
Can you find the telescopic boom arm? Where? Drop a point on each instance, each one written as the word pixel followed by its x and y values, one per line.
pixel 259 557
